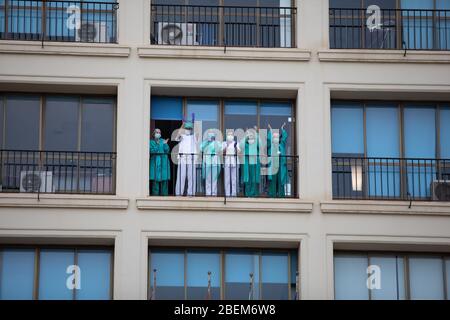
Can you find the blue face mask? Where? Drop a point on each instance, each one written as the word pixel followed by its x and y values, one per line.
pixel 157 135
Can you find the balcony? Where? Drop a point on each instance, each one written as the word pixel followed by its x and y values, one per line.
pixel 359 178
pixel 396 29
pixel 60 21
pixel 216 176
pixel 223 26
pixel 57 172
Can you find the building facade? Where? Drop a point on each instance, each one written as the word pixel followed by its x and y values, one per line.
pixel 359 92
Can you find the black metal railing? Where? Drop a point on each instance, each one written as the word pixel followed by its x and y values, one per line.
pixel 189 25
pixel 391 178
pixel 57 172
pixel 62 21
pixel 200 175
pixel 407 29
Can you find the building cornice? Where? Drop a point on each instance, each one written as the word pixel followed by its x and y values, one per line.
pixel 383 56
pixel 221 53
pixel 218 204
pixel 386 207
pixel 62 201
pixel 63 48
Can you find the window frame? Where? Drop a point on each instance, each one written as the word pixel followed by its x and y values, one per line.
pixel 42 109
pixel 405 255
pixel 76 248
pixel 222 251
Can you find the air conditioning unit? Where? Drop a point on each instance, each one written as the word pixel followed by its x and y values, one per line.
pixel 36 181
pixel 440 190
pixel 173 33
pixel 92 32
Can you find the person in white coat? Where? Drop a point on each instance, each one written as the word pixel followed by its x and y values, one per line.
pixel 186 160
pixel 231 150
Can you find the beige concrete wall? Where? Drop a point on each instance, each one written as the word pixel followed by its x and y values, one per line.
pixel 312 73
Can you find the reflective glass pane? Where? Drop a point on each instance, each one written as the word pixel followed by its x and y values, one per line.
pixel 240 114
pixel 275 276
pixel 17 274
pixel 205 111
pixel 392 278
pixel 350 277
pixel 347 128
pixel 199 263
pixel 169 275
pixel 426 278
pixel 22 122
pixel 238 267
pixel 95 267
pixel 445 132
pixel 97 125
pixel 166 108
pixel 53 274
pixel 61 123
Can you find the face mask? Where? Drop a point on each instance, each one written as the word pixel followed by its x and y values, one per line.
pixel 188 132
pixel 157 135
pixel 211 138
pixel 230 138
pixel 251 141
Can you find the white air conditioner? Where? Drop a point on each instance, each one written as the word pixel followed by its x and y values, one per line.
pixel 36 181
pixel 173 33
pixel 440 190
pixel 92 32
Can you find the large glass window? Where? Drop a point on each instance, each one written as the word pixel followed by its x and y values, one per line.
pixel 55 273
pixel 389 276
pixel 242 116
pixel 388 150
pixel 222 274
pixel 420 25
pixel 63 118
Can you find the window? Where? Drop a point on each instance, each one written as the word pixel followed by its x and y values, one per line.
pixel 263 23
pixel 405 24
pixel 222 274
pixel 61 123
pixel 25 20
pixel 388 150
pixel 44 273
pixel 22 123
pixel 17 274
pixel 97 125
pixel 402 276
pixel 426 278
pixel 63 118
pixel 240 115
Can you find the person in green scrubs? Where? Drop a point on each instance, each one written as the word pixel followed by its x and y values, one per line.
pixel 277 171
pixel 211 166
pixel 159 165
pixel 251 167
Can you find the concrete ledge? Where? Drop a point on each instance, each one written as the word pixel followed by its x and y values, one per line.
pixel 61 48
pixel 383 56
pixel 62 201
pixel 233 53
pixel 217 204
pixel 386 207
